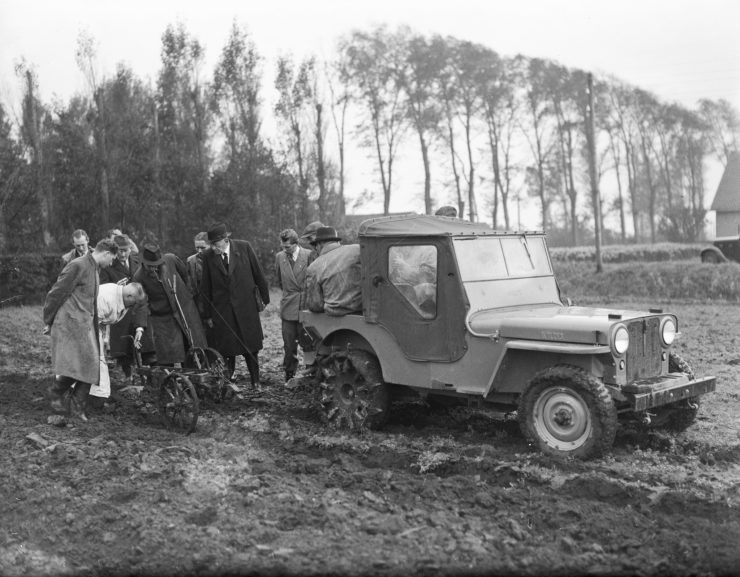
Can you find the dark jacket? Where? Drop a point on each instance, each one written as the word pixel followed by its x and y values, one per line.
pixel 229 299
pixel 169 328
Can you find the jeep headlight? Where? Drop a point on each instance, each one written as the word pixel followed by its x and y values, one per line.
pixel 621 340
pixel 668 331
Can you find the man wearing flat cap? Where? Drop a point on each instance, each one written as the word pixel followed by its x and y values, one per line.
pixel 309 234
pixel 121 335
pixel 234 290
pixel 333 279
pixel 173 322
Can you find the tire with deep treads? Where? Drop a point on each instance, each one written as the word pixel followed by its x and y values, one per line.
pixel 352 394
pixel 566 412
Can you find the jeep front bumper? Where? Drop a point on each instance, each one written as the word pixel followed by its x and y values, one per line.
pixel 667 389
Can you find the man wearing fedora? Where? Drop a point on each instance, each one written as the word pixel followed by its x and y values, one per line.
pixel 233 288
pixel 173 322
pixel 333 279
pixel 122 334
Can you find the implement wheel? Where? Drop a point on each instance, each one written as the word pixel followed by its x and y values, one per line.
pixel 566 412
pixel 210 360
pixel 352 393
pixel 178 403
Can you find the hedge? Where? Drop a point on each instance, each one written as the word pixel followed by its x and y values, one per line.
pixel 26 278
pixel 690 280
pixel 657 273
pixel 659 252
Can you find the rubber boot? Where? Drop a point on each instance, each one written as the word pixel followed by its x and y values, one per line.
pixel 254 370
pixel 79 400
pixel 58 398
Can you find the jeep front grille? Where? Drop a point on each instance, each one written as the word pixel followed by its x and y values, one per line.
pixel 644 352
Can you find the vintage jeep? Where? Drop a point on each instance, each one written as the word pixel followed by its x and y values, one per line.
pixel 722 249
pixel 456 310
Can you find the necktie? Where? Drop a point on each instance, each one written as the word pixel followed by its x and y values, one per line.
pixel 226 261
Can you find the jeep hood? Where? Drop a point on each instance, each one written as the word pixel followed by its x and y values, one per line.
pixel 550 323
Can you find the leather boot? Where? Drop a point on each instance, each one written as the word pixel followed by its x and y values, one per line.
pixel 79 400
pixel 57 392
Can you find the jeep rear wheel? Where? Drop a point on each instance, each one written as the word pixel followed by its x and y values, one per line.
pixel 352 393
pixel 566 412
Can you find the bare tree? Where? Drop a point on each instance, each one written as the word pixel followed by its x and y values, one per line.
pixel 419 79
pixel 32 134
pixel 86 60
pixel 373 61
pixel 339 101
pixel 537 130
pixel 723 127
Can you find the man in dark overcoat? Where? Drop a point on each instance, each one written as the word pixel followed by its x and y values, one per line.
pixel 173 322
pixel 232 282
pixel 122 334
pixel 290 270
pixel 70 317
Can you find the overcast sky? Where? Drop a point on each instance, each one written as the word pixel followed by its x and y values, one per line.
pixel 682 50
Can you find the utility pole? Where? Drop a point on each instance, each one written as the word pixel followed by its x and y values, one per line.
pixel 595 196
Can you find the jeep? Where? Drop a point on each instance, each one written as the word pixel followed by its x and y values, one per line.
pixel 458 311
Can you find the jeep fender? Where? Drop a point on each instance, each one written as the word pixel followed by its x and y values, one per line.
pixel 524 359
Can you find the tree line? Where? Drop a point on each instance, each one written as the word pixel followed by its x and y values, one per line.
pixel 164 161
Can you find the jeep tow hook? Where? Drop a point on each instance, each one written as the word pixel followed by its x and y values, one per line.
pixel 645 418
pixel 693 405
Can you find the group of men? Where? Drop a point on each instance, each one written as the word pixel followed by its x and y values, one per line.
pixel 212 302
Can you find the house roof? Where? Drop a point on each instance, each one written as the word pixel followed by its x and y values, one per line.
pixel 727 198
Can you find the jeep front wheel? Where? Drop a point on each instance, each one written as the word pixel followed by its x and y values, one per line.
pixel 566 412
pixel 352 393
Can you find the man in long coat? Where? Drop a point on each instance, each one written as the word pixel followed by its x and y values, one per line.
pixel 232 282
pixel 121 334
pixel 173 321
pixel 70 317
pixel 290 270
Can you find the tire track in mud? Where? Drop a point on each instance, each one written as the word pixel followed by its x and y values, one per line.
pixel 263 485
pixel 571 506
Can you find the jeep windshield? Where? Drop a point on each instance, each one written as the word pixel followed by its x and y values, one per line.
pixel 505 271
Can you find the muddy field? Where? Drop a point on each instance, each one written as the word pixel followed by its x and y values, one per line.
pixel 262 488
